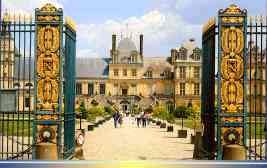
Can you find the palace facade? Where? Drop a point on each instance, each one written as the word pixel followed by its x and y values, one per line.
pixel 126 78
pixel 129 78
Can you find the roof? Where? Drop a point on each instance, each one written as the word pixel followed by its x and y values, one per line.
pixel 156 63
pixel 126 47
pixel 88 67
pixel 127 44
pixel 92 67
pixel 24 68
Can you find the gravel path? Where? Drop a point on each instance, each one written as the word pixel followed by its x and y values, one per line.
pixel 132 143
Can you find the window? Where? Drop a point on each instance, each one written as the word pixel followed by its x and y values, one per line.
pixel 196 54
pixel 182 54
pixel 125 72
pixel 27 102
pixel 116 72
pixel 116 89
pixel 196 89
pixel 167 74
pixel 196 72
pixel 102 88
pixel 182 89
pixel 90 89
pixel 148 74
pixel 78 88
pixel 134 89
pixel 133 72
pixel 182 72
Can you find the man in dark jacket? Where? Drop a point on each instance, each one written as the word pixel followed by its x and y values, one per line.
pixel 116 117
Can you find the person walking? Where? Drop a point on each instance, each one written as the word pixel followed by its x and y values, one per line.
pixel 147 119
pixel 143 120
pixel 120 119
pixel 116 117
pixel 138 120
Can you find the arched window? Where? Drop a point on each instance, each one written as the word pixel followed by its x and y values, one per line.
pixel 182 53
pixel 196 54
pixel 149 73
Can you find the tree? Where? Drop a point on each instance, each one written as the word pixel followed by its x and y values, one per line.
pixel 82 110
pixel 194 115
pixel 181 112
pixel 159 111
pixel 109 110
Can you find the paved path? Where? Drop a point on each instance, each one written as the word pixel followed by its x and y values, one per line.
pixel 132 143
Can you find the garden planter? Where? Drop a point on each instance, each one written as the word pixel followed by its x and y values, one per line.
pixel 163 125
pixel 96 124
pixel 90 127
pixel 170 129
pixel 182 133
pixel 158 122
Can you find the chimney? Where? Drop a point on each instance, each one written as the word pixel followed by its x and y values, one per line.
pixel 113 42
pixel 141 45
pixel 173 56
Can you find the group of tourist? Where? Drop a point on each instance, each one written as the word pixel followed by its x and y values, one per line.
pixel 117 116
pixel 142 119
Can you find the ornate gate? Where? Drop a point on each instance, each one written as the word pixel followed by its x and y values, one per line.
pixel 37 58
pixel 238 114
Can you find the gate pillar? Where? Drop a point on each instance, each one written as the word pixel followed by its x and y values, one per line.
pixel 231 127
pixel 48 83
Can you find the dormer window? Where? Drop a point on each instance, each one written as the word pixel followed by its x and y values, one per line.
pixel 196 54
pixel 182 54
pixel 149 73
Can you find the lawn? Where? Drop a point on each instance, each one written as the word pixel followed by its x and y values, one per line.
pixel 16 128
pixel 259 128
pixel 189 123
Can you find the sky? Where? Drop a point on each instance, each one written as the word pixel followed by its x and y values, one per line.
pixel 165 24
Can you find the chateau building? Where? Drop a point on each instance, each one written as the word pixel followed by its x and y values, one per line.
pixel 126 78
pixel 129 78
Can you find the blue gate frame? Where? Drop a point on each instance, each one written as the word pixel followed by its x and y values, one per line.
pixel 248 124
pixel 20 125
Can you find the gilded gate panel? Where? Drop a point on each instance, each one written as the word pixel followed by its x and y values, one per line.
pixel 232 77
pixel 48 73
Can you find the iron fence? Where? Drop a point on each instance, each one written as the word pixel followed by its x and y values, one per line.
pixel 17 106
pixel 255 88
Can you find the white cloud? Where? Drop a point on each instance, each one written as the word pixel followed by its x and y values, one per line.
pixel 158 28
pixel 28 6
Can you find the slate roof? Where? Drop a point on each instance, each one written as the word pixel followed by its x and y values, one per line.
pixel 92 67
pixel 156 63
pixel 24 68
pixel 87 67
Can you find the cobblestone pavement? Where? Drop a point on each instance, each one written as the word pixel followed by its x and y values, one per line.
pixel 132 143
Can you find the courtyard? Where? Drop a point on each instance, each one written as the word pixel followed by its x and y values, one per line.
pixel 132 143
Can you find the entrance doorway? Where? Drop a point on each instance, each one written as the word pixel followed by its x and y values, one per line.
pixel 124 92
pixel 125 108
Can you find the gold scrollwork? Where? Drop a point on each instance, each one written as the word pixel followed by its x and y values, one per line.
pixel 48 67
pixel 48 18
pixel 232 40
pixel 232 19
pixel 232 69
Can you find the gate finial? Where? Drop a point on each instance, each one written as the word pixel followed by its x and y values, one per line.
pixel 48 8
pixel 232 9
